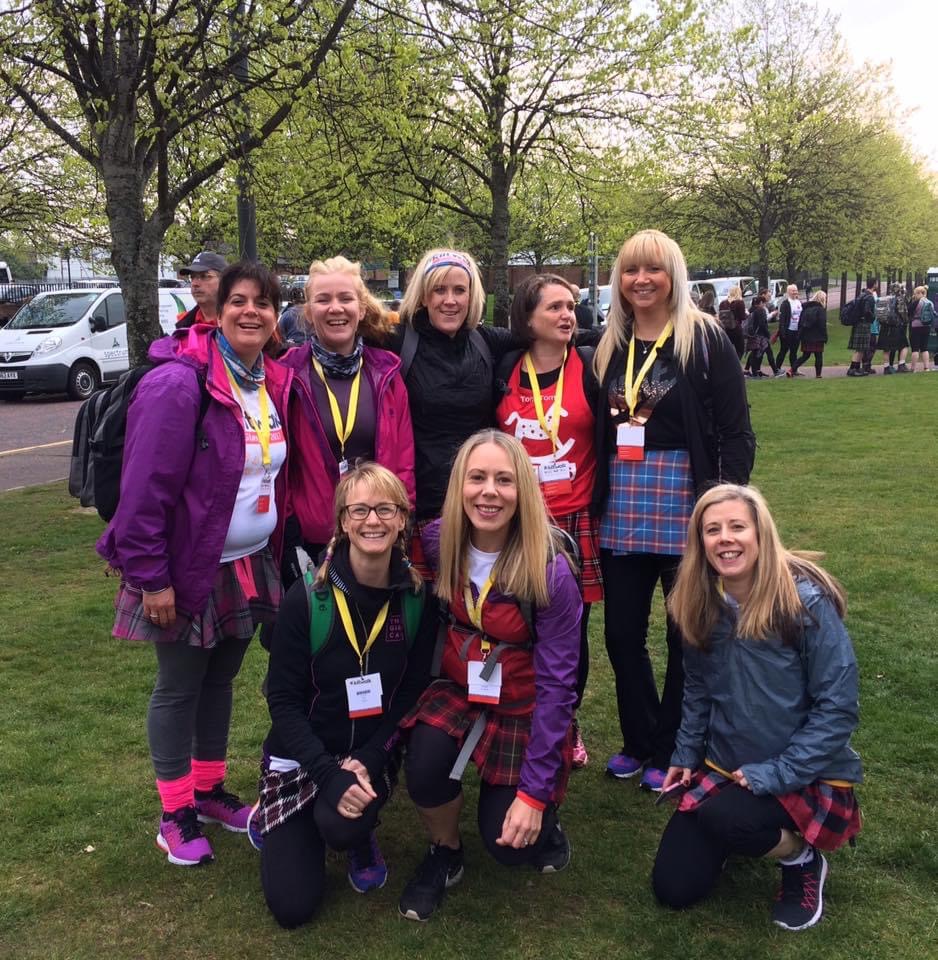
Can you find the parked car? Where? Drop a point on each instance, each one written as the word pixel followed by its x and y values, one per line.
pixel 604 293
pixel 723 285
pixel 73 341
pixel 777 288
pixel 697 288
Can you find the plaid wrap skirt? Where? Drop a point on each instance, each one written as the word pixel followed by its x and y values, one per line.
pixel 585 530
pixel 650 503
pixel 230 612
pixel 499 754
pixel 280 794
pixel 825 815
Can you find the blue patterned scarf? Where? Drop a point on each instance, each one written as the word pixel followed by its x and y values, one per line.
pixel 249 379
pixel 337 365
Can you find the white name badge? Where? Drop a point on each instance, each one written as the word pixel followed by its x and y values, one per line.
pixel 364 695
pixel 630 441
pixel 343 467
pixel 552 470
pixel 484 691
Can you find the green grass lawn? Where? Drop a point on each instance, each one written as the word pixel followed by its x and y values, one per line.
pixel 848 466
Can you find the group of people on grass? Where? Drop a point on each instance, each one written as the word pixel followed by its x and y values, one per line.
pixel 419 517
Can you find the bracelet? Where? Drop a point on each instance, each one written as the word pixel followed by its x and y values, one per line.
pixel 153 593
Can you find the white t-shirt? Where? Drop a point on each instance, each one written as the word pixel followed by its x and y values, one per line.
pixel 249 530
pixel 480 566
pixel 796 307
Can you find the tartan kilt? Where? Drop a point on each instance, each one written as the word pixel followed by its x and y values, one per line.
pixel 825 815
pixel 499 754
pixel 892 337
pixel 757 344
pixel 860 337
pixel 585 531
pixel 228 612
pixel 417 557
pixel 281 794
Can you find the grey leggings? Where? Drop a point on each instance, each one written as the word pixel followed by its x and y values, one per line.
pixel 190 709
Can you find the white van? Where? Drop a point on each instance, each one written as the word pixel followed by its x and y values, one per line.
pixel 73 341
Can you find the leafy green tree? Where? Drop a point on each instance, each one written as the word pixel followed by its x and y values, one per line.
pixel 151 96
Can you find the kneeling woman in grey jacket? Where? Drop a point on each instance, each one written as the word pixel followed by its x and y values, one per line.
pixel 762 764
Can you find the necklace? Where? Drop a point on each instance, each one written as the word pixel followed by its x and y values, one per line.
pixel 645 346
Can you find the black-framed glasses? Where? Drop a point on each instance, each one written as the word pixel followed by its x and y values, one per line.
pixel 383 511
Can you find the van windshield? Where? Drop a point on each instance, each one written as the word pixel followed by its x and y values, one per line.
pixel 54 310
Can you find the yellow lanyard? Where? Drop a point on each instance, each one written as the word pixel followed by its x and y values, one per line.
pixel 342 430
pixel 346 616
pixel 474 608
pixel 261 428
pixel 632 388
pixel 553 430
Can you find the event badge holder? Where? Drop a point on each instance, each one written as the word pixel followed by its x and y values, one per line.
pixel 262 430
pixel 556 476
pixel 364 692
pixel 630 436
pixel 489 688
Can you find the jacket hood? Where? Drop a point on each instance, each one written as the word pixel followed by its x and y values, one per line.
pixel 191 343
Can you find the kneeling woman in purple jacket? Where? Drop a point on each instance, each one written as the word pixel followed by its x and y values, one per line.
pixel 508 672
pixel 201 504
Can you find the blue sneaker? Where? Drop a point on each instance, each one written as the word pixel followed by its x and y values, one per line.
pixel 621 766
pixel 366 867
pixel 652 779
pixel 255 837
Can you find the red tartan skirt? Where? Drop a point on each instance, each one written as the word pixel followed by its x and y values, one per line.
pixel 825 815
pixel 417 557
pixel 585 530
pixel 499 754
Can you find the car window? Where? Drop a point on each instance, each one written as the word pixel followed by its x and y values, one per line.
pixel 115 310
pixel 54 310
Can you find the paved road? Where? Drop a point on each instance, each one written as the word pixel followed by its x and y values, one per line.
pixel 35 440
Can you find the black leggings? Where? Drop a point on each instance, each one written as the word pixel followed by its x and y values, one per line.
pixel 789 341
pixel 694 846
pixel 430 757
pixel 818 361
pixel 293 858
pixel 648 723
pixel 583 668
pixel 755 360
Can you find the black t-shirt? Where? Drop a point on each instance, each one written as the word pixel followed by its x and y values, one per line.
pixel 665 428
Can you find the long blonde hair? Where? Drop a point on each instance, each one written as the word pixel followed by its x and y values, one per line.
pixel 773 605
pixel 375 324
pixel 379 480
pixel 426 274
pixel 517 571
pixel 647 247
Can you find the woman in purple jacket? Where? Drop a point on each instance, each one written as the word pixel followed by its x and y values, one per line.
pixel 507 687
pixel 202 496
pixel 348 405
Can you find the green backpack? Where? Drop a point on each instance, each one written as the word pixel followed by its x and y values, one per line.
pixel 322 614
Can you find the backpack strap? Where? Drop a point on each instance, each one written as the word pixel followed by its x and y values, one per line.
pixel 408 349
pixel 411 613
pixel 321 613
pixel 482 346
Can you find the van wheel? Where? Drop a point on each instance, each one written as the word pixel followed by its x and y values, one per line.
pixel 83 381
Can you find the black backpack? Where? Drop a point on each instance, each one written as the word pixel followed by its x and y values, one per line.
pixel 726 316
pixel 850 313
pixel 98 442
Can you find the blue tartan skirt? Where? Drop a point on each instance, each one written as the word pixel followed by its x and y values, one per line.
pixel 650 503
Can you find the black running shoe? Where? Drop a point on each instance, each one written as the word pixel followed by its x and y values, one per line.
pixel 799 903
pixel 555 854
pixel 442 867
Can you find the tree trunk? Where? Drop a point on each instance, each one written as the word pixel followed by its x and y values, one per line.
pixel 859 287
pixel 843 288
pixel 500 226
pixel 135 254
pixel 763 260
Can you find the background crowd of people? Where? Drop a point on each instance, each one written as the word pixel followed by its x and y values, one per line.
pixel 419 516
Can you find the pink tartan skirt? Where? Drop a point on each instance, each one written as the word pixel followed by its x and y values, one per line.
pixel 230 611
pixel 825 815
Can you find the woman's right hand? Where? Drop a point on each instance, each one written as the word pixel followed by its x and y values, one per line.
pixel 676 774
pixel 352 803
pixel 160 607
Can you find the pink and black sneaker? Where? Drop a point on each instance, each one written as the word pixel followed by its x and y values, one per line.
pixel 180 838
pixel 219 806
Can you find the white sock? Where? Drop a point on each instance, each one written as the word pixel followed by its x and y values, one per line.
pixel 805 857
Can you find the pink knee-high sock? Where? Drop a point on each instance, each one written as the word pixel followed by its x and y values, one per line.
pixel 206 773
pixel 176 794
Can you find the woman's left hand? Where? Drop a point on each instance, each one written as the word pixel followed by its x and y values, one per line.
pixel 740 778
pixel 522 825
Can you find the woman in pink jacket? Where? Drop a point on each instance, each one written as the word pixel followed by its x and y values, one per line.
pixel 349 404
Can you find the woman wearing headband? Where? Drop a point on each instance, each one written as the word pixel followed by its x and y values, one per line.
pixel 448 360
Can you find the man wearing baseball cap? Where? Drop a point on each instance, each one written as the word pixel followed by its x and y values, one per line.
pixel 203 274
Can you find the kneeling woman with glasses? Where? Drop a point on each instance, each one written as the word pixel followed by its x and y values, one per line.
pixel 350 655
